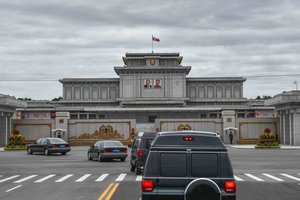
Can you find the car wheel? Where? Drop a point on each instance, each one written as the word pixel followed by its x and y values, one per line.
pixel 29 151
pixel 122 159
pixel 63 153
pixel 138 171
pixel 89 156
pixel 46 152
pixel 132 167
pixel 99 158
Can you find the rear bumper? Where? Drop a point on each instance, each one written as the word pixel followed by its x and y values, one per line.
pixel 113 155
pixel 157 196
pixel 59 150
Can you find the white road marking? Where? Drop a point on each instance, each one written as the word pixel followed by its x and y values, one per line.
pixel 45 178
pixel 101 178
pixel 6 179
pixel 121 177
pixel 139 178
pixel 273 177
pixel 291 177
pixel 238 178
pixel 83 178
pixel 13 188
pixel 64 178
pixel 25 179
pixel 254 177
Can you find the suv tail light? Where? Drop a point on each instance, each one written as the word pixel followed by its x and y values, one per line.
pixel 124 150
pixel 188 138
pixel 230 187
pixel 147 185
pixel 140 153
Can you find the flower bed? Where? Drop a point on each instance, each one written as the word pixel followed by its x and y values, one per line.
pixel 267 140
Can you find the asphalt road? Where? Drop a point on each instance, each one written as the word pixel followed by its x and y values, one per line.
pixel 260 174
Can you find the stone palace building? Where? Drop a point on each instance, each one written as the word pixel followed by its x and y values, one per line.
pixel 152 92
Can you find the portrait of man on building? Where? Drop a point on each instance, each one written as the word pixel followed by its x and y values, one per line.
pixel 147 83
pixel 157 83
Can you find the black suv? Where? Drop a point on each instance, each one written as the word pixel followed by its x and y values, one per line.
pixel 140 149
pixel 188 165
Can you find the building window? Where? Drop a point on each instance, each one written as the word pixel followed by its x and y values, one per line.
pixel 203 115
pixel 229 119
pixel 92 116
pixel 83 116
pixel 151 118
pixel 101 116
pixel 73 116
pixel 213 115
pixel 61 121
pixel 241 115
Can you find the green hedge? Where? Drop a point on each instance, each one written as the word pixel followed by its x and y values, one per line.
pixel 15 148
pixel 267 146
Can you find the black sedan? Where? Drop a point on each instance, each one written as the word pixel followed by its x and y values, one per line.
pixel 110 149
pixel 48 146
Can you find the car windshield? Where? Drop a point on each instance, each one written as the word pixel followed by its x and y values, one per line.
pixel 113 144
pixel 56 141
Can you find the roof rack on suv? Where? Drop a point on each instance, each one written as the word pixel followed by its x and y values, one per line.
pixel 193 140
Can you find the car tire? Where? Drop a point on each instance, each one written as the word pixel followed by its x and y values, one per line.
pixel 89 156
pixel 138 171
pixel 29 151
pixel 46 152
pixel 63 153
pixel 132 167
pixel 202 188
pixel 122 159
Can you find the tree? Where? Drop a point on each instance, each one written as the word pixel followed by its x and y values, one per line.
pixel 57 99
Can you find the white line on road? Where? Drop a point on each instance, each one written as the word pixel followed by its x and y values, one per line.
pixel 254 177
pixel 139 178
pixel 291 177
pixel 25 179
pixel 101 178
pixel 45 178
pixel 64 178
pixel 83 178
pixel 6 179
pixel 238 178
pixel 13 188
pixel 121 177
pixel 273 177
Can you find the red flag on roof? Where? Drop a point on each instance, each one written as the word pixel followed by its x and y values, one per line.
pixel 155 39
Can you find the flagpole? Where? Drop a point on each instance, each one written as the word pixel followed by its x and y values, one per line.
pixel 296 85
pixel 152 43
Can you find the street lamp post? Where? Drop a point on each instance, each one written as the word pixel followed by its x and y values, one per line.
pixel 295 82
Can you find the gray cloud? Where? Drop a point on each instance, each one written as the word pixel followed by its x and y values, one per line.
pixel 53 39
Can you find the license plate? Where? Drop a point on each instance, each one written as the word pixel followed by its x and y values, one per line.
pixel 62 146
pixel 115 150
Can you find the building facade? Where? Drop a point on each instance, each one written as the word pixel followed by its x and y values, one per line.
pixel 153 92
pixel 8 107
pixel 287 106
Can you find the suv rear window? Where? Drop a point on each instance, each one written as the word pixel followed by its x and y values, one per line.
pixel 196 141
pixel 173 165
pixel 204 165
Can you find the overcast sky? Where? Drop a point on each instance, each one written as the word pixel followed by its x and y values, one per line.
pixel 53 39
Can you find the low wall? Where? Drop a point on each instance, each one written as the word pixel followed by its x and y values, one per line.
pixel 249 129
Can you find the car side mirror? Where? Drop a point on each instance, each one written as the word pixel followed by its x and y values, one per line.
pixel 92 146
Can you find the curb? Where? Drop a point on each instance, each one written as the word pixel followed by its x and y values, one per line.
pixel 253 147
